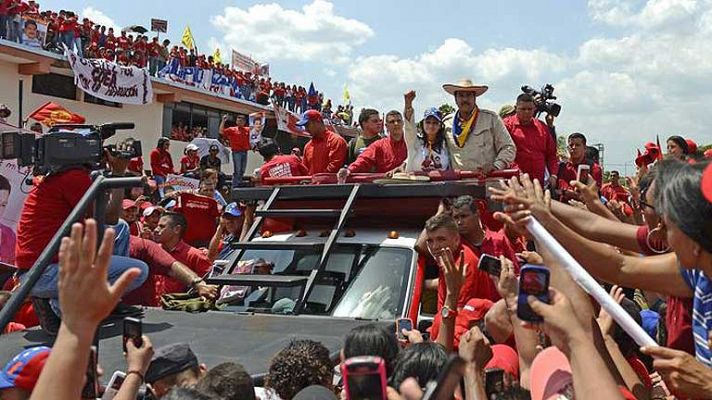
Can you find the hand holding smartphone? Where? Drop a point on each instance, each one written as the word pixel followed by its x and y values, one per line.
pixel 133 330
pixel 364 378
pixel 490 264
pixel 582 173
pixel 117 379
pixel 533 281
pixel 403 323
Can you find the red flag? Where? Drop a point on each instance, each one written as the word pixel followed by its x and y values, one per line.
pixel 660 152
pixel 52 113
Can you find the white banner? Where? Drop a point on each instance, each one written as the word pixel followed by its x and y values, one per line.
pixel 110 81
pixel 243 62
pixel 179 182
pixel 287 121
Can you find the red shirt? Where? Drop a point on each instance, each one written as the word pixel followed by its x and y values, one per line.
pixel 383 155
pixel 239 138
pixel 161 162
pixel 568 170
pixel 611 192
pixel 123 42
pixel 136 165
pixel 536 149
pixel 325 154
pixel 478 284
pixel 45 209
pixel 159 262
pixel 200 212
pixel 283 165
pixel 188 163
pixel 193 258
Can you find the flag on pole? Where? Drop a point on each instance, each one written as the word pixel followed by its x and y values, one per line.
pixel 216 56
pixel 52 113
pixel 660 149
pixel 312 97
pixel 347 95
pixel 187 39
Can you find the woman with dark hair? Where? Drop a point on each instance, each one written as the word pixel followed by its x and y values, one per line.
pixel 422 361
pixel 7 236
pixel 301 364
pixel 683 200
pixel 677 147
pixel 372 340
pixel 161 163
pixel 427 150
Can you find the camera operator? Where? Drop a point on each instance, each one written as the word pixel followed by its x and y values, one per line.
pixel 49 203
pixel 536 149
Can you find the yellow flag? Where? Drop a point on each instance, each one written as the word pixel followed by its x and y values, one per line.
pixel 187 39
pixel 347 95
pixel 216 56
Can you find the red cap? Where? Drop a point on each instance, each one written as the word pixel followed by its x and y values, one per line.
pixel 706 184
pixel 691 146
pixel 708 153
pixel 127 203
pixel 473 312
pixel 506 358
pixel 310 115
pixel 550 375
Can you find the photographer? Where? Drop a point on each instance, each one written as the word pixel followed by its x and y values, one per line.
pixel 536 148
pixel 49 203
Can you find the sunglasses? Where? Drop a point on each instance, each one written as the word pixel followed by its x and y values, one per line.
pixel 644 205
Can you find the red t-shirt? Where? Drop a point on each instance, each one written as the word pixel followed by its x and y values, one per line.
pixel 191 257
pixel 201 213
pixel 159 263
pixel 283 165
pixel 188 163
pixel 568 171
pixel 325 154
pixel 45 209
pixel 536 149
pixel 136 165
pixel 161 162
pixel 239 138
pixel 381 156
pixel 618 193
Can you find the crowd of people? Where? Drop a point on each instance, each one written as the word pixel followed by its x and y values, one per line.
pixel 648 240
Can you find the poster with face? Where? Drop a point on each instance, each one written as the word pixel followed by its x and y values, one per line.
pixel 13 191
pixel 34 32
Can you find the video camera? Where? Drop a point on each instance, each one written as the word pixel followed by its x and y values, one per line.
pixel 541 99
pixel 67 145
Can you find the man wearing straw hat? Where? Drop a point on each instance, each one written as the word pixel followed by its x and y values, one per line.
pixel 476 138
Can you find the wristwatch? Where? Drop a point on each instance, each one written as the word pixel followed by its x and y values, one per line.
pixel 447 312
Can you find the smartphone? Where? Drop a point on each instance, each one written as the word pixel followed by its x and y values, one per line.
pixel 91 388
pixel 494 381
pixel 490 264
pixel 117 379
pixel 364 378
pixel 533 281
pixel 582 173
pixel 448 380
pixel 403 323
pixel 133 330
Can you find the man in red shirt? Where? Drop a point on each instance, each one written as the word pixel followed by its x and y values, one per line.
pixel 161 163
pixel 238 134
pixel 201 212
pixel 568 170
pixel 613 190
pixel 536 150
pixel 326 151
pixel 385 154
pixel 129 213
pixel 169 234
pixel 278 164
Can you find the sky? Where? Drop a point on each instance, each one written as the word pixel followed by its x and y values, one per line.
pixel 624 70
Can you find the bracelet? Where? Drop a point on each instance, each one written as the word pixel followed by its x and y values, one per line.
pixel 133 371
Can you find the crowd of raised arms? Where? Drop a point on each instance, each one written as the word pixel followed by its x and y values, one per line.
pixel 648 240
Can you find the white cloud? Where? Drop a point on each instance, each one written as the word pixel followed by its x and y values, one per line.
pixel 99 18
pixel 271 32
pixel 620 90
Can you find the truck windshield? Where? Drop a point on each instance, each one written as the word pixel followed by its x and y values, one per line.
pixel 360 281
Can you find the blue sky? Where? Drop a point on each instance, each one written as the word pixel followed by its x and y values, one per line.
pixel 624 70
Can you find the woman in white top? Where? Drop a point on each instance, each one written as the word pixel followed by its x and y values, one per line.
pixel 427 150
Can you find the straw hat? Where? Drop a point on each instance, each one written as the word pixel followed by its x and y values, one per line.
pixel 465 85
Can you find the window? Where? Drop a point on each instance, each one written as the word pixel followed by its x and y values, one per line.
pixel 95 100
pixel 186 121
pixel 54 85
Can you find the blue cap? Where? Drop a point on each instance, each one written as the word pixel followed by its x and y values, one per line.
pixel 24 369
pixel 650 322
pixel 233 209
pixel 433 112
pixel 310 115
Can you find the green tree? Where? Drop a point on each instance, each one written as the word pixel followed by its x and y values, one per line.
pixel 446 109
pixel 561 145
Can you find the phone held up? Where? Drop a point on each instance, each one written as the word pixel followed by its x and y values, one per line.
pixel 490 264
pixel 117 379
pixel 582 173
pixel 533 281
pixel 364 378
pixel 133 330
pixel 91 388
pixel 403 323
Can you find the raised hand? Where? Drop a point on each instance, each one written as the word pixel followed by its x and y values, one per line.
pixel 683 374
pixel 475 348
pixel 454 273
pixel 605 321
pixel 560 321
pixel 409 97
pixel 85 295
pixel 507 283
